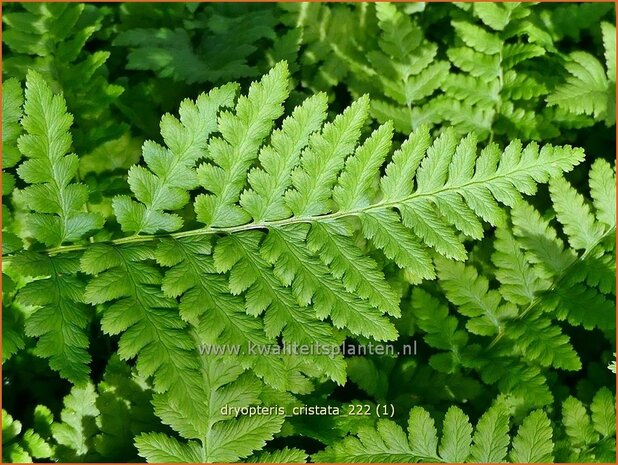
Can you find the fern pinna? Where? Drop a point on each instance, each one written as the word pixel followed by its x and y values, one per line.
pixel 284 211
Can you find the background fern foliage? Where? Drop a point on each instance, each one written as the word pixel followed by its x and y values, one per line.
pixel 309 232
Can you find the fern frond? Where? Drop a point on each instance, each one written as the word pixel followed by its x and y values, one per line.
pixel 491 437
pixel 313 280
pixel 580 293
pixel 409 76
pixel 281 251
pixel 398 69
pixel 316 175
pixel 161 448
pixel 264 201
pixel 603 410
pixel 520 344
pixel 13 331
pixel 589 437
pixel 125 410
pixel 586 90
pixel 186 384
pixel 217 47
pixel 219 318
pixel 441 330
pixel 266 292
pixel 602 178
pixel 167 52
pixel 213 436
pixel 146 317
pixel 295 265
pixel 77 427
pixel 328 33
pixel 387 441
pixel 60 318
pixel 285 455
pixel 55 47
pixel 470 293
pixel 499 82
pixel 540 280
pixel 571 20
pixel 56 201
pixel 590 89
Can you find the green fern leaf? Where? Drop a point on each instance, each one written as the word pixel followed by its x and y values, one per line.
pixel 533 443
pixel 440 329
pixel 603 409
pixel 457 436
pixel 56 201
pixel 161 448
pixel 220 51
pixel 213 436
pixel 586 438
pixel 385 231
pixel 60 319
pixel 218 316
pixel 491 438
pixel 265 292
pixel 498 15
pixel 333 244
pixel 499 81
pixel 602 182
pixel 124 405
pixel 55 47
pixel 75 432
pixel 590 89
pixel 22 447
pixel 147 319
pixel 317 174
pixel 579 292
pixel 578 222
pixel 12 328
pixel 473 298
pixel 330 298
pixel 577 423
pixel 386 442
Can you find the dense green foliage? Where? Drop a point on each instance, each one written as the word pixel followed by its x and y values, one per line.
pixel 184 181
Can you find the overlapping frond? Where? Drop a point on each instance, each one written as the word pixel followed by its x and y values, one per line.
pixel 497 81
pixel 51 39
pixel 216 45
pixel 576 277
pixel 590 88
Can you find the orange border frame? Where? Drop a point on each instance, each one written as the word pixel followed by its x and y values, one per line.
pixel 261 1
